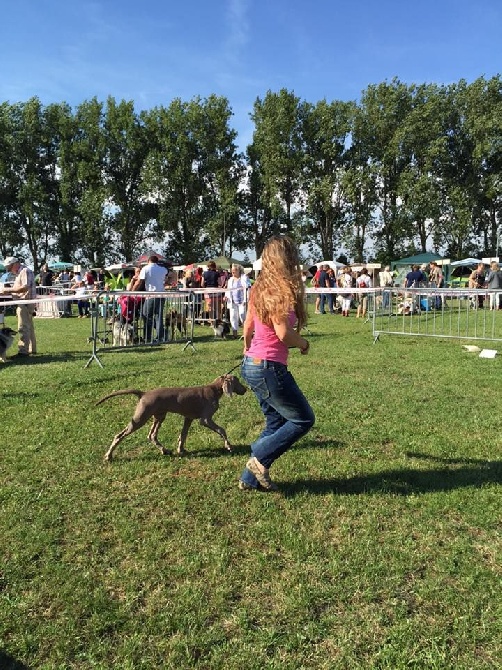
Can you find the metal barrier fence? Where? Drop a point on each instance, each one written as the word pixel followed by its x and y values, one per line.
pixel 129 319
pixel 121 319
pixel 470 314
pixel 50 303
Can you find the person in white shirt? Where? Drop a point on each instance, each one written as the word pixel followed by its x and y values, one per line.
pixel 153 276
pixel 236 297
pixel 386 280
pixel 363 280
pixel 345 281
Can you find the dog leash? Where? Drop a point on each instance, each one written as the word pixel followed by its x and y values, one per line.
pixel 234 368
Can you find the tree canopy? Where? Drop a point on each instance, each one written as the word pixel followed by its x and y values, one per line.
pixel 407 169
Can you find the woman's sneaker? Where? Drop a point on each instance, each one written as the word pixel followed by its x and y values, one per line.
pixel 244 486
pixel 262 477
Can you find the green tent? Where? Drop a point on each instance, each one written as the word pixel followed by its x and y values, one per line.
pixel 225 262
pixel 419 259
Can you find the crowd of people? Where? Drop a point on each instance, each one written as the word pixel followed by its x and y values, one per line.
pixel 219 295
pixel 427 275
pixel 228 302
pixel 222 294
pixel 231 304
pixel 346 279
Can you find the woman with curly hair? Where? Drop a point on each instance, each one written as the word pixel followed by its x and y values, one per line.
pixel 276 304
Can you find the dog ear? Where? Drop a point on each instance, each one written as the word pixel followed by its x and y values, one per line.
pixel 228 385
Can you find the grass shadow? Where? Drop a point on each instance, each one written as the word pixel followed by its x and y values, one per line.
pixel 148 453
pixel 7 662
pixel 404 482
pixel 54 357
pixel 217 451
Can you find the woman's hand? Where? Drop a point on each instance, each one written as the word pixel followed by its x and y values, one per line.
pixel 305 349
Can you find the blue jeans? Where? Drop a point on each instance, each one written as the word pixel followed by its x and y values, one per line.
pixel 330 298
pixel 287 412
pixel 153 314
pixel 386 299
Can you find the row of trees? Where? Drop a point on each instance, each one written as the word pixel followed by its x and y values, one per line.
pixel 406 167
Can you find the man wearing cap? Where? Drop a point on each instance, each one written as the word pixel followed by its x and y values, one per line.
pixel 23 288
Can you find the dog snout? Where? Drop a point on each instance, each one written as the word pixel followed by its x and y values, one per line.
pixel 237 387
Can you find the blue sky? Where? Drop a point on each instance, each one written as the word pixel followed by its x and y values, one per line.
pixel 152 51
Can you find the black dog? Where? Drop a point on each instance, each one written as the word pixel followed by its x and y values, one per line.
pixel 6 340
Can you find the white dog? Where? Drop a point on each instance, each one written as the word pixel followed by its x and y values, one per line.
pixel 123 334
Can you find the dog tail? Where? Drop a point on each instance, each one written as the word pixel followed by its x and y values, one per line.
pixel 136 392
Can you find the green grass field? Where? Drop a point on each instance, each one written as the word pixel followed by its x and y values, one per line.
pixel 381 550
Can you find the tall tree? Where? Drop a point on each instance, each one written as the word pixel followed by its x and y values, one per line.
pixel 325 129
pixel 455 177
pixel 127 145
pixel 89 151
pixel 259 222
pixel 68 223
pixel 278 140
pixel 382 110
pixel 482 102
pixel 223 171
pixel 11 238
pixel 420 137
pixel 33 171
pixel 188 171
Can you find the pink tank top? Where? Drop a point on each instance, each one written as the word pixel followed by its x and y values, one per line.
pixel 265 343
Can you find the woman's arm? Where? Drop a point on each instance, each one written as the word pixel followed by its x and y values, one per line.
pixel 248 329
pixel 289 336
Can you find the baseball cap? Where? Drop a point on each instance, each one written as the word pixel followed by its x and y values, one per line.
pixel 10 260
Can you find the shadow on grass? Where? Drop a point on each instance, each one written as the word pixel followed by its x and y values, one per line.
pixel 7 662
pixel 406 481
pixel 56 357
pixel 149 453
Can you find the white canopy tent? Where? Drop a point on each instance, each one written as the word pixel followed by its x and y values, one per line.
pixel 332 264
pixel 371 267
pixel 465 261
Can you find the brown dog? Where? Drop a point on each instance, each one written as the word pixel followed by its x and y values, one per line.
pixel 192 402
pixel 176 320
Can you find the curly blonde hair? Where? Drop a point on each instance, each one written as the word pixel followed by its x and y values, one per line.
pixel 279 287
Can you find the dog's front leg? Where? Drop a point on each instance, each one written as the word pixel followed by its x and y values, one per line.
pixel 183 435
pixel 209 423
